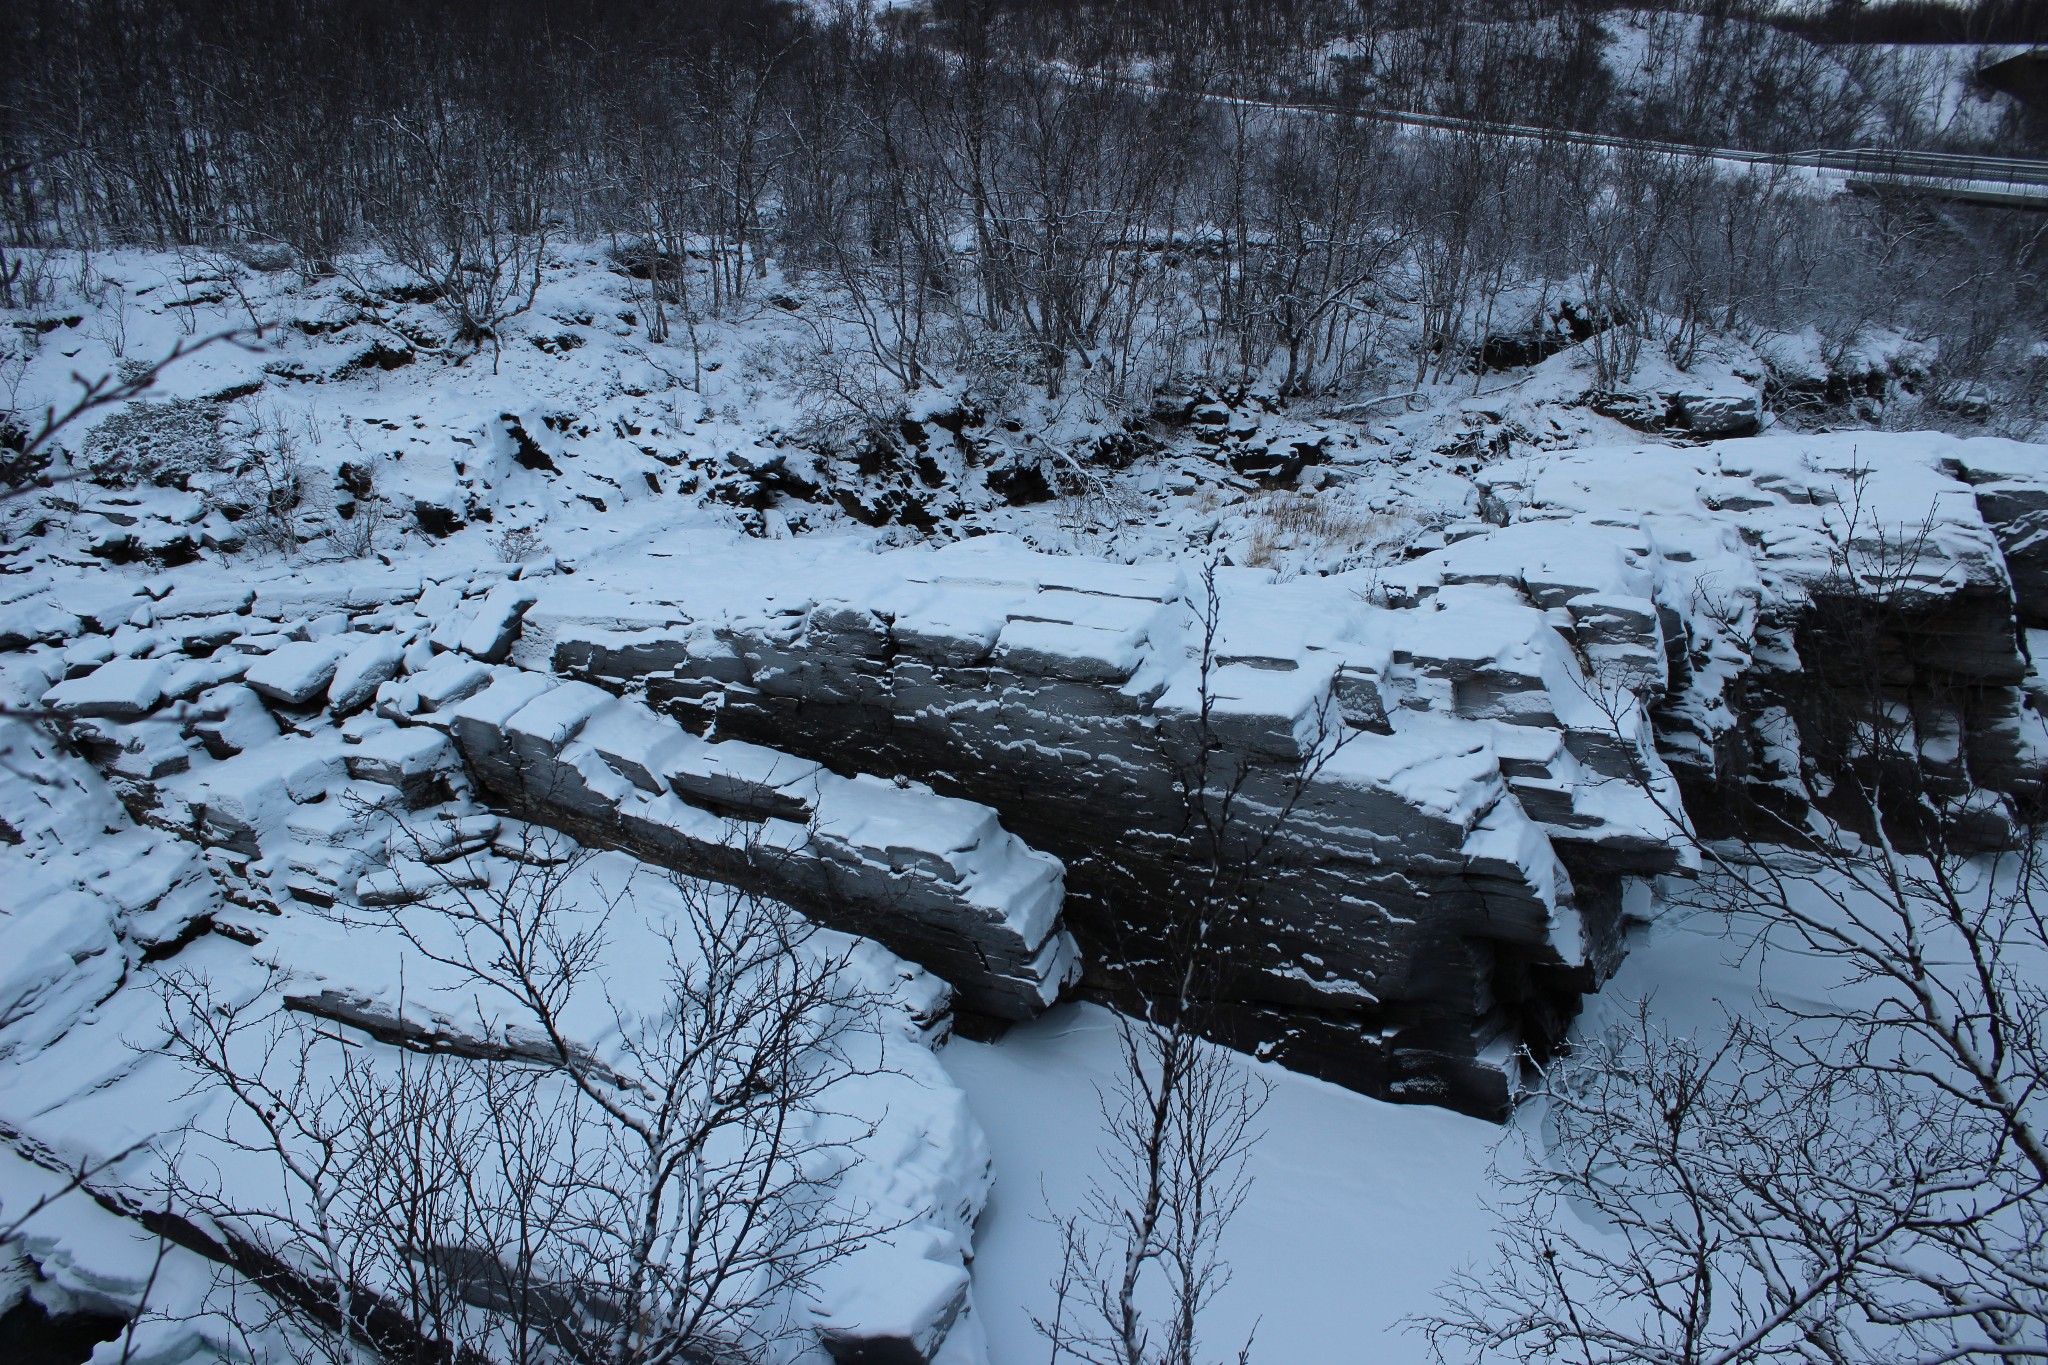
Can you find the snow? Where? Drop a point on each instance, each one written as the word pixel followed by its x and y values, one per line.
pixel 393 756
pixel 438 686
pixel 1359 1210
pixel 360 672
pixel 123 689
pixel 490 635
pixel 80 1021
pixel 295 672
pixel 1492 623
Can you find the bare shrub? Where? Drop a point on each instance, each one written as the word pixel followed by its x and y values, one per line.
pixel 1744 1206
pixel 517 544
pixel 157 442
pixel 473 234
pixel 355 536
pixel 270 490
pixel 26 276
pixel 1182 1117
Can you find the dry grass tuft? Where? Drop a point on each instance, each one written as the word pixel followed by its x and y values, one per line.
pixel 1286 526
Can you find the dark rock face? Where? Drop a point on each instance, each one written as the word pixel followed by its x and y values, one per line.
pixel 1247 432
pixel 1948 677
pixel 1527 727
pixel 2018 512
pixel 1413 924
pixel 2012 497
pixel 1544 336
pixel 1369 901
pixel 1849 580
pixel 1716 415
pixel 526 449
pixel 435 519
pixel 1021 482
pixel 1710 414
pixel 379 356
pixel 32 1335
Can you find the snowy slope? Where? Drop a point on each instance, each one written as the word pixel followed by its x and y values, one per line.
pixel 259 704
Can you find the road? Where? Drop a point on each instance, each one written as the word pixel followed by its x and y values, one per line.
pixel 2010 182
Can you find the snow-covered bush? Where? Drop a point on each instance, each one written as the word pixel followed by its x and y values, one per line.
pixel 162 441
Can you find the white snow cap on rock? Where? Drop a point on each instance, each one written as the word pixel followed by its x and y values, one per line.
pixel 122 689
pixel 298 671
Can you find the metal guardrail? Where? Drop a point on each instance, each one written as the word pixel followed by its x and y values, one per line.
pixel 1944 165
pixel 1872 162
pixel 2010 181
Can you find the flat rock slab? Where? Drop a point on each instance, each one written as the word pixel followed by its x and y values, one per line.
pixel 296 672
pixel 361 671
pixel 123 689
pixel 490 635
pixel 399 757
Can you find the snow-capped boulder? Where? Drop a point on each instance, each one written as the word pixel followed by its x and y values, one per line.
pixel 405 758
pixel 1716 413
pixel 490 633
pixel 121 689
pixel 359 673
pixel 296 672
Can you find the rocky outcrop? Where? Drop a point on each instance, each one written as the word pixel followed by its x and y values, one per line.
pixel 1447 832
pixel 936 880
pixel 2012 496
pixel 1799 582
pixel 1708 411
pixel 1464 777
pixel 249 871
pixel 407 668
pixel 1455 773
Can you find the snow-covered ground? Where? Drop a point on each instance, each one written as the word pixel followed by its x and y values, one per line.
pixel 1361 1209
pixel 588 471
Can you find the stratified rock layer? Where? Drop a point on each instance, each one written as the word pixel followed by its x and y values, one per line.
pixel 1456 759
pixel 1451 774
pixel 936 880
pixel 1413 923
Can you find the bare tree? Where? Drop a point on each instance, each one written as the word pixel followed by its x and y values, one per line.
pixel 705 1210
pixel 1861 1172
pixel 307 1253
pixel 1182 1117
pixel 473 233
pixel 1720 1201
pixel 519 1194
pixel 1142 1258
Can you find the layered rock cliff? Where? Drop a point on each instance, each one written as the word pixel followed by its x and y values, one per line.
pixel 1457 771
